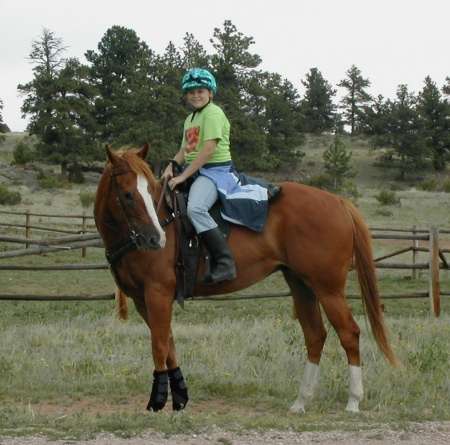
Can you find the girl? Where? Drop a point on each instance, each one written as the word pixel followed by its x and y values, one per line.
pixel 205 149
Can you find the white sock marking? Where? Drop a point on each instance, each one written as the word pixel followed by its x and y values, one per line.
pixel 356 391
pixel 307 386
pixel 142 186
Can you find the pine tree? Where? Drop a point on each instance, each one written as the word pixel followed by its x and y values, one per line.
pixel 262 107
pixel 435 123
pixel 233 65
pixel 317 105
pixel 282 120
pixel 41 93
pixel 446 88
pixel 193 53
pixel 337 163
pixel 355 99
pixel 120 70
pixel 404 131
pixel 59 102
pixel 376 120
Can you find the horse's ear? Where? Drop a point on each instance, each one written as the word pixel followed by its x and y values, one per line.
pixel 111 156
pixel 142 153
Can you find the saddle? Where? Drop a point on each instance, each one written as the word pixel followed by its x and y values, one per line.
pixel 189 248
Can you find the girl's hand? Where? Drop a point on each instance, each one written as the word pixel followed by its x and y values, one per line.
pixel 175 181
pixel 168 172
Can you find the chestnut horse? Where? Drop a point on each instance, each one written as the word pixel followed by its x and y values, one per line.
pixel 311 235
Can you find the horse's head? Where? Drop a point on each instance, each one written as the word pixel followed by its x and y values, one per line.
pixel 127 191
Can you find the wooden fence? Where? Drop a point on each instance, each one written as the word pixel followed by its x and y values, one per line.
pixel 86 236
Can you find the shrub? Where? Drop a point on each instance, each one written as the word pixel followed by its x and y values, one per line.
pixel 350 190
pixel 429 185
pixel 387 198
pixel 446 186
pixel 9 198
pixel 51 181
pixel 383 212
pixel 75 174
pixel 87 199
pixel 322 181
pixel 23 153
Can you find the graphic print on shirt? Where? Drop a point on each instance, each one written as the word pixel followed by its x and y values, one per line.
pixel 192 136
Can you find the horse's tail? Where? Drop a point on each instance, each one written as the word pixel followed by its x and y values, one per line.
pixel 121 304
pixel 365 268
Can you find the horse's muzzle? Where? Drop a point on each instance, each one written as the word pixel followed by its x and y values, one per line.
pixel 147 238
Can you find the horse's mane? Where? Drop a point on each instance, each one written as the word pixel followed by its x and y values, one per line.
pixel 136 163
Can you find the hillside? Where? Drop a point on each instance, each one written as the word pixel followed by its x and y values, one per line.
pixel 418 207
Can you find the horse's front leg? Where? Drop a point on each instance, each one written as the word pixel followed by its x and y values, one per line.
pixel 159 315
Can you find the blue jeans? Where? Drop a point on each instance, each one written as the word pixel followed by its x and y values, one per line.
pixel 202 196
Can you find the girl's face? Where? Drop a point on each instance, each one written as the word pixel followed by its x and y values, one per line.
pixel 198 98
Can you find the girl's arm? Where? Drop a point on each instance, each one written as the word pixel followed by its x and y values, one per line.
pixel 202 158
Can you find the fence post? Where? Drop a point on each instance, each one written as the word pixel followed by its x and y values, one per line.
pixel 415 246
pixel 83 231
pixel 27 227
pixel 434 289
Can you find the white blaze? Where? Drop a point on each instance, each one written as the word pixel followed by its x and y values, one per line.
pixel 142 186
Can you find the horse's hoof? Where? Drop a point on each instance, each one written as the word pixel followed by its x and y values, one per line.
pixel 160 391
pixel 178 389
pixel 297 408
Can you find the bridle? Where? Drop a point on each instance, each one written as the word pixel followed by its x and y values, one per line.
pixel 133 241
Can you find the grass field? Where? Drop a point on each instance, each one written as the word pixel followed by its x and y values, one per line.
pixel 72 370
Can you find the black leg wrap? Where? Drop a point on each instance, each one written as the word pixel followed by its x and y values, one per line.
pixel 178 389
pixel 160 391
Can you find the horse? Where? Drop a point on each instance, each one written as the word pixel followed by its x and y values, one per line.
pixel 314 237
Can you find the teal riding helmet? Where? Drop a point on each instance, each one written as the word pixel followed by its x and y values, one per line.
pixel 198 78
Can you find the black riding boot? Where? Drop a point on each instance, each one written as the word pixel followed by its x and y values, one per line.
pixel 222 262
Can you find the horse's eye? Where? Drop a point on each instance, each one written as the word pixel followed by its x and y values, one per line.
pixel 129 196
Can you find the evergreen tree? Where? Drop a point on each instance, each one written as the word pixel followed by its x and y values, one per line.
pixel 317 105
pixel 282 122
pixel 355 99
pixel 193 53
pixel 59 102
pixel 376 120
pixel 435 121
pixel 262 107
pixel 337 163
pixel 168 111
pixel 41 92
pixel 446 88
pixel 405 132
pixel 233 65
pixel 120 70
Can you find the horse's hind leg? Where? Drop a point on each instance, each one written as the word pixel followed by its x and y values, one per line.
pixel 307 312
pixel 340 316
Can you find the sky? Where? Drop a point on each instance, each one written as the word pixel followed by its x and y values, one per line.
pixel 390 41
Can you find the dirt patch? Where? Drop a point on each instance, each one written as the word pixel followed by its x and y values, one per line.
pixel 430 433
pixel 132 404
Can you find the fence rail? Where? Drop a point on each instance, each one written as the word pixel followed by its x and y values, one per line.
pixel 82 238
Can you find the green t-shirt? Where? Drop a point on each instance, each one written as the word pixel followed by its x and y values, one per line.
pixel 209 123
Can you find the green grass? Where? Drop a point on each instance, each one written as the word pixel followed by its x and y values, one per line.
pixel 73 369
